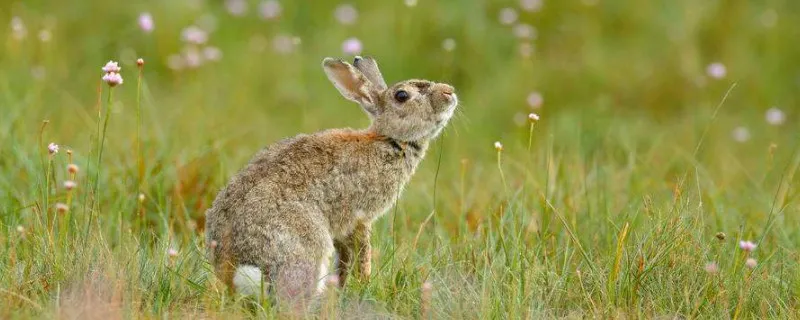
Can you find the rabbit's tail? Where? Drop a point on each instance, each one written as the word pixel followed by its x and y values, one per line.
pixel 249 280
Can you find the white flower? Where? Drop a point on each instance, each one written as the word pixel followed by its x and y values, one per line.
pixel 524 31
pixel 535 100
pixel 20 229
pixel 531 5
pixel 18 28
pixel 508 16
pixel 346 14
pixel 212 53
pixel 45 35
pixel 716 70
pixel 740 134
pixel 236 7
pixel 52 148
pixel 270 9
pixel 775 116
pixel 111 66
pixel 498 146
pixel 533 117
pixel 449 44
pixel 410 3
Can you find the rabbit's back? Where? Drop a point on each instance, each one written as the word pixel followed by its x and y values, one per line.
pixel 339 177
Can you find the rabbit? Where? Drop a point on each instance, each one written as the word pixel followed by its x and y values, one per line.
pixel 278 221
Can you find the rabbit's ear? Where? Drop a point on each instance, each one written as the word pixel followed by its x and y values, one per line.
pixel 369 67
pixel 352 84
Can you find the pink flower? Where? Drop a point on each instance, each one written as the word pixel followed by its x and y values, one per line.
pixel 712 268
pixel 175 62
pixel 751 263
pixel 146 22
pixel 747 245
pixel 352 46
pixel 535 100
pixel 62 208
pixel 195 35
pixel 346 14
pixel 52 148
pixel 716 70
pixel 172 252
pixel 213 244
pixel 236 7
pixel 212 53
pixel 270 9
pixel 111 66
pixel 113 79
pixel 508 16
pixel 69 185
pixel 192 57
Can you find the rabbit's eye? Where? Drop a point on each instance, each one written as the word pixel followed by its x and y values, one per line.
pixel 401 96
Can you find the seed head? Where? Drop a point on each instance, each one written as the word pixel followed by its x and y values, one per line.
pixel 52 148
pixel 720 236
pixel 747 245
pixel 69 185
pixel 751 263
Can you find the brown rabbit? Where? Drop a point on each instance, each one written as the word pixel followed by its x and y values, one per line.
pixel 277 222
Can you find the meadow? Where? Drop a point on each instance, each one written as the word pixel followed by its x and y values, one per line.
pixel 658 182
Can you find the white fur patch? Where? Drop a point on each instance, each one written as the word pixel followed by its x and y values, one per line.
pixel 247 280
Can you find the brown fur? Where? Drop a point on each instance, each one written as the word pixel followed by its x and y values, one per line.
pixel 302 198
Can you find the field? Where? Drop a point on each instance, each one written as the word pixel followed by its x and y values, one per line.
pixel 667 142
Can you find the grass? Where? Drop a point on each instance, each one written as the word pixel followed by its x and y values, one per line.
pixel 611 207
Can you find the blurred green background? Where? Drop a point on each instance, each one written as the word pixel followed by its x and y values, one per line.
pixel 630 94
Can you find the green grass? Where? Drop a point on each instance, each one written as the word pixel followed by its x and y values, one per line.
pixel 612 213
